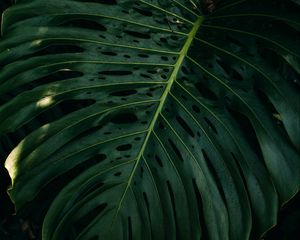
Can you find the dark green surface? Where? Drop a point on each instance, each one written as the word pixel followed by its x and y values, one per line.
pixel 233 73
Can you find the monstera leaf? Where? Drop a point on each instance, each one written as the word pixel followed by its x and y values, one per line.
pixel 151 119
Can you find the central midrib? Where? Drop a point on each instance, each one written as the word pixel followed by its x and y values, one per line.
pixel 162 100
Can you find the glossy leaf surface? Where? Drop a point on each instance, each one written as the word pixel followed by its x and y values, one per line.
pixel 148 120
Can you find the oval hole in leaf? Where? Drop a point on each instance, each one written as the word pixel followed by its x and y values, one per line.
pixel 58 76
pixel 124 147
pixel 109 53
pixel 84 23
pixel 123 93
pixel 143 55
pixel 176 150
pixel 97 158
pixel 158 160
pixel 124 118
pixel 117 174
pixel 210 124
pixel 138 34
pixel 129 229
pixel 185 126
pixel 205 91
pixel 196 109
pixel 143 12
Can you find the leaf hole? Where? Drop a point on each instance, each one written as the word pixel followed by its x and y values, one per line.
pixel 56 76
pixel 210 124
pixel 237 76
pixel 143 55
pixel 176 150
pixel 100 157
pixel 143 12
pixel 137 34
pixel 183 97
pixel 89 131
pixel 163 76
pixel 142 172
pixel 116 73
pixel 123 93
pixel 205 91
pixel 196 109
pixel 145 75
pixel 151 71
pixel 164 58
pixel 158 160
pixel 84 23
pixel 149 94
pixel 129 229
pixel 163 40
pixel 185 126
pixel 124 118
pixel 161 125
pixel 184 70
pixel 124 147
pixel 109 53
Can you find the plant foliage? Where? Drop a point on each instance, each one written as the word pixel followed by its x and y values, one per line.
pixel 151 119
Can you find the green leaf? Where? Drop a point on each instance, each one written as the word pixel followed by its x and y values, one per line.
pixel 149 120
